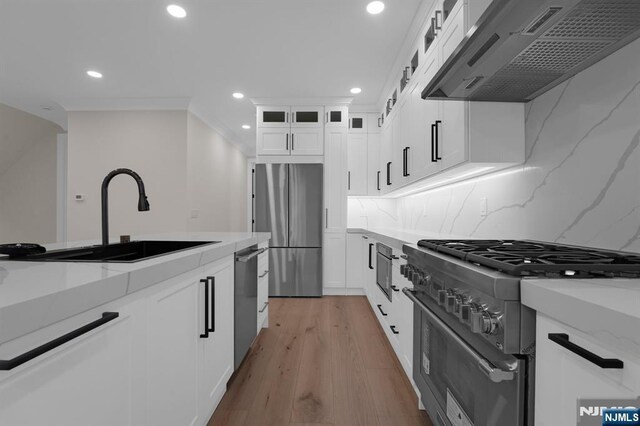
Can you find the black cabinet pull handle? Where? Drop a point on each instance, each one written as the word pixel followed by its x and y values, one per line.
pixel 293 117
pixel 438 122
pixel 389 173
pixel 394 288
pixel 370 255
pixel 205 335
pixel 378 180
pixel 379 125
pixel 438 15
pixel 292 141
pixel 10 364
pixel 212 280
pixel 381 311
pixel 393 329
pixel 349 181
pixel 287 147
pixel 563 340
pixel 287 119
pixel 433 150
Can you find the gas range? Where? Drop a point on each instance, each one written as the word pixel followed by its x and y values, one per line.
pixel 536 258
pixel 477 282
pixel 474 341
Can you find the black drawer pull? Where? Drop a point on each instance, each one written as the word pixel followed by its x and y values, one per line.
pixel 563 340
pixel 381 311
pixel 213 304
pixel 370 256
pixel 394 288
pixel 10 364
pixel 393 329
pixel 205 335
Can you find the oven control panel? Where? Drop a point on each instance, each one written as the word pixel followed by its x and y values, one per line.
pixel 454 301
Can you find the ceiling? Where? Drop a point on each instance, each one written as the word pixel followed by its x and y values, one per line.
pixel 262 48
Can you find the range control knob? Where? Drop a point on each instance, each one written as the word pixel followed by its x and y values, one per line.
pixel 403 269
pixel 450 302
pixel 458 302
pixel 416 277
pixel 442 297
pixel 483 322
pixel 426 280
pixel 464 312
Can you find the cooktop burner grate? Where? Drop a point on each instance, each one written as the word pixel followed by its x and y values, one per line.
pixel 535 258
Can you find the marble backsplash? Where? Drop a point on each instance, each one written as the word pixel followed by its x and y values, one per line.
pixel 580 183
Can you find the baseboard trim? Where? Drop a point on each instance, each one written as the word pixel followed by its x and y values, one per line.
pixel 344 291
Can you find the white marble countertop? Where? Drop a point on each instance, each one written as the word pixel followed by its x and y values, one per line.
pixel 607 309
pixel 396 238
pixel 36 294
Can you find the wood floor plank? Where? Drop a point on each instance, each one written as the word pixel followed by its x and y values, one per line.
pixel 316 365
pixel 353 401
pixel 274 399
pixel 313 397
pixel 247 380
pixel 392 397
pixel 407 421
pixel 228 418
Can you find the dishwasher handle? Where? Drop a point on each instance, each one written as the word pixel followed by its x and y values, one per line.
pixel 247 257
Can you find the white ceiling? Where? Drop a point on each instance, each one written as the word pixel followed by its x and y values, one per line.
pixel 263 48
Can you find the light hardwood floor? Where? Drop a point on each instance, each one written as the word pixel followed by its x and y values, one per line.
pixel 321 362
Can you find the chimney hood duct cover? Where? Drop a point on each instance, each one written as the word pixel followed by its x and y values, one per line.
pixel 520 49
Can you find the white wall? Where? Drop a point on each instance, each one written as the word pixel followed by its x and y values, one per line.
pixel 27 177
pixel 580 183
pixel 184 163
pixel 216 179
pixel 153 144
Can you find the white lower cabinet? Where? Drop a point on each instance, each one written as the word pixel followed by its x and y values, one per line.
pixel 215 351
pixel 153 364
pixel 334 265
pixel 94 379
pixel 355 257
pixel 174 325
pixel 563 377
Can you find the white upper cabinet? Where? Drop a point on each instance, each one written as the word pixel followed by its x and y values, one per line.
pixel 306 117
pixel 374 172
pixel 358 122
pixel 290 131
pixel 277 116
pixel 273 141
pixel 336 116
pixel 335 179
pixel 307 141
pixel 357 160
pixel 373 123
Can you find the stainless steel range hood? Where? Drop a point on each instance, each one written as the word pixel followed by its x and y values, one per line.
pixel 520 49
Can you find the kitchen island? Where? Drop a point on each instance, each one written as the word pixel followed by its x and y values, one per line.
pixel 147 342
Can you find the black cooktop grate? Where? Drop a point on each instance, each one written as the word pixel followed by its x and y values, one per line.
pixel 535 258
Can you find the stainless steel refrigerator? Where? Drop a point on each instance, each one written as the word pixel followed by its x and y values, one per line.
pixel 288 203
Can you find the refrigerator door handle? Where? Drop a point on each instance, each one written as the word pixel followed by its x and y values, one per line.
pixel 326 218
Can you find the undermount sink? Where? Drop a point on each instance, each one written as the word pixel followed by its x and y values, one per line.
pixel 133 251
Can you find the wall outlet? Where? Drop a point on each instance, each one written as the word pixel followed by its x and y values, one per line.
pixel 483 207
pixel 78 197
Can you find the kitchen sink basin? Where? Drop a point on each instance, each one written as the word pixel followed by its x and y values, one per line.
pixel 133 251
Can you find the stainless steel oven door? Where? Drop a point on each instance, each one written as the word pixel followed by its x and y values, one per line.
pixel 460 387
pixel 383 274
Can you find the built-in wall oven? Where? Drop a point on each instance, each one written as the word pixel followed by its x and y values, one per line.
pixel 384 269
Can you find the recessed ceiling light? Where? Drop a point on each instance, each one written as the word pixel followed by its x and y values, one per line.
pixel 246 126
pixel 375 7
pixel 238 95
pixel 94 74
pixel 356 90
pixel 176 11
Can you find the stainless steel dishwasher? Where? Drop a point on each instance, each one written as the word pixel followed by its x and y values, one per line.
pixel 245 303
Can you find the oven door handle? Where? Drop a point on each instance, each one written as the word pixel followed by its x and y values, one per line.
pixel 494 373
